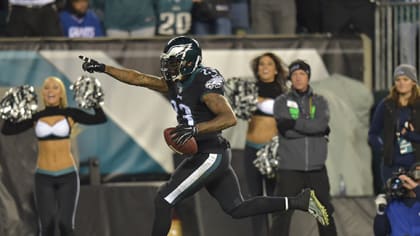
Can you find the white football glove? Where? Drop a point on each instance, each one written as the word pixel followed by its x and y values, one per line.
pixel 380 203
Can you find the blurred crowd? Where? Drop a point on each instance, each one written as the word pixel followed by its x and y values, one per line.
pixel 146 18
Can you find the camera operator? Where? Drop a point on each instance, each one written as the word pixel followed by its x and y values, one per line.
pixel 398 212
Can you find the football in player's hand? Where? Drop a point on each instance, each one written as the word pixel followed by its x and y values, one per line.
pixel 188 148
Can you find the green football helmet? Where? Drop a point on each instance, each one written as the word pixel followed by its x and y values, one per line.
pixel 181 56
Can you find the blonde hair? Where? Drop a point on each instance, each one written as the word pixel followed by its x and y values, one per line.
pixel 75 130
pixel 415 95
pixel 63 98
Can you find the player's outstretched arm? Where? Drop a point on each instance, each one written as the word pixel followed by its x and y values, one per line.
pixel 225 117
pixel 136 78
pixel 127 76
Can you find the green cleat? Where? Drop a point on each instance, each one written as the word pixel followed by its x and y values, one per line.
pixel 308 202
pixel 316 209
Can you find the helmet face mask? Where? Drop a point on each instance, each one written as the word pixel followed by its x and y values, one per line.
pixel 181 56
pixel 170 67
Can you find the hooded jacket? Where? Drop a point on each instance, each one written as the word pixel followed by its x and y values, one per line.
pixel 304 146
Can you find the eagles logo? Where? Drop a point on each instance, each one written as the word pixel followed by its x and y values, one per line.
pixel 216 82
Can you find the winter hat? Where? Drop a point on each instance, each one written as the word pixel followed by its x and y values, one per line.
pixel 407 70
pixel 299 65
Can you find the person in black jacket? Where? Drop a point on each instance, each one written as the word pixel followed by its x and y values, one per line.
pixel 56 177
pixel 394 130
pixel 211 17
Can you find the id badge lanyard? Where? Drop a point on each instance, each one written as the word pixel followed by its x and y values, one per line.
pixel 405 146
pixel 295 111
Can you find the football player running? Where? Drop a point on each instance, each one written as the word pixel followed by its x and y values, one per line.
pixel 196 93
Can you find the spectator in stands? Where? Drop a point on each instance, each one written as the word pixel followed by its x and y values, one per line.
pixel 211 17
pixel 348 17
pixel 302 121
pixel 56 178
pixel 271 74
pixel 271 17
pixel 174 17
pixel 35 18
pixel 3 16
pixel 396 120
pixel 399 215
pixel 78 21
pixel 239 15
pixel 309 16
pixel 127 18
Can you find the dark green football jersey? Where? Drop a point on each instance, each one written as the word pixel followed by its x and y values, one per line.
pixel 174 17
pixel 186 96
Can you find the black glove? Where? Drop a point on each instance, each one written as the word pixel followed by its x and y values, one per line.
pixel 91 65
pixel 327 131
pixel 182 133
pixel 285 124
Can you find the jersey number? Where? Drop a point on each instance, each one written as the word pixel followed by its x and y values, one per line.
pixel 184 110
pixel 174 23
